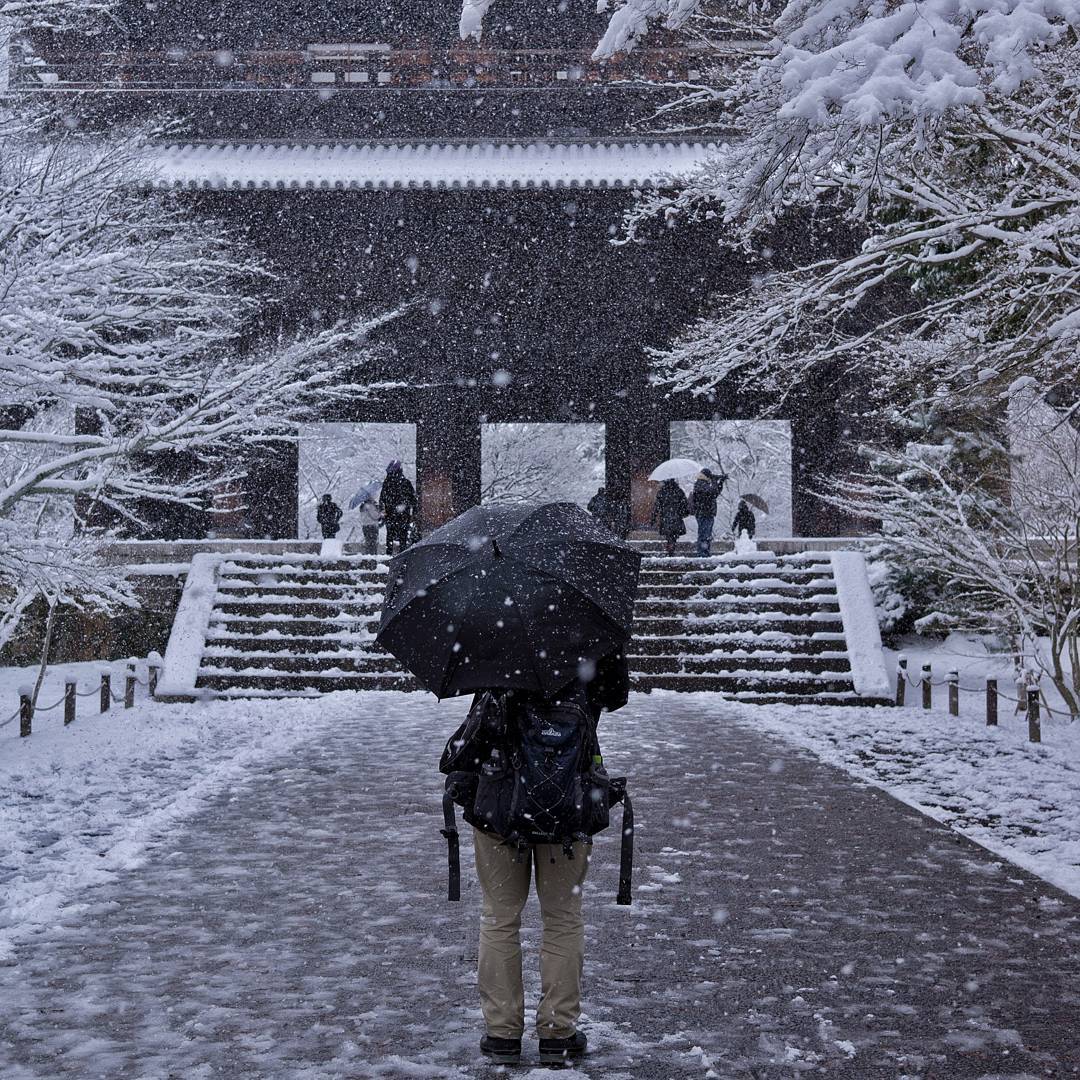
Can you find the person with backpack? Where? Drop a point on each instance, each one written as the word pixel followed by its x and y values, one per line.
pixel 529 774
pixel 328 515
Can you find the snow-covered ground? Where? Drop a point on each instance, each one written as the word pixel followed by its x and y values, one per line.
pixel 78 804
pixel 786 918
pixel 974 659
pixel 1022 801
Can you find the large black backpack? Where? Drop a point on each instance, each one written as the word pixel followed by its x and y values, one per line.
pixel 531 772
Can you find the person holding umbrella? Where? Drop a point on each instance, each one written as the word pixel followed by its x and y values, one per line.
pixel 529 608
pixel 744 521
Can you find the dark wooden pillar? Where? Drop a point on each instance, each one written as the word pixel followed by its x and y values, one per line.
pixel 447 464
pixel 272 490
pixel 635 445
pixel 823 450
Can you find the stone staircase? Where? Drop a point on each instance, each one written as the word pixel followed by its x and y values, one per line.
pixel 758 628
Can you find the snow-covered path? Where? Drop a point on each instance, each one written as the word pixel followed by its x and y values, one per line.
pixel 787 921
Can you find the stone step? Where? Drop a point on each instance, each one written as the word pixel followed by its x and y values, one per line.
pixel 802 626
pixel 702 606
pixel 733 643
pixel 769 586
pixel 776 564
pixel 712 663
pixel 230 589
pixel 804 685
pixel 296 663
pixel 243 644
pixel 291 627
pixel 298 573
pixel 255 608
pixel 275 685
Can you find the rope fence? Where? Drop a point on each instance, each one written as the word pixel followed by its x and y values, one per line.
pixel 1031 700
pixel 104 692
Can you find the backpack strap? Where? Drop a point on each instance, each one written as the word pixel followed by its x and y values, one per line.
pixel 453 852
pixel 626 854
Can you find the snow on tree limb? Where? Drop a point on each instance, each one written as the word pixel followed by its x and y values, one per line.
pixel 472 18
pixel 630 21
pixel 945 137
pixel 56 14
pixel 628 24
pixel 123 318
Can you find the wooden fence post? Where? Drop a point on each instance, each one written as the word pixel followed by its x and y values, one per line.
pixel 927 689
pixel 954 692
pixel 26 715
pixel 1034 722
pixel 991 702
pixel 129 687
pixel 901 679
pixel 152 678
pixel 106 691
pixel 69 703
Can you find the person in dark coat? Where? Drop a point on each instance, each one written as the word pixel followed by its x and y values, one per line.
pixel 668 512
pixel 703 498
pixel 397 500
pixel 744 520
pixel 602 507
pixel 328 515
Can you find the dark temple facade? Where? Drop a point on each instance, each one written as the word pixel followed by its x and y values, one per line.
pixel 380 162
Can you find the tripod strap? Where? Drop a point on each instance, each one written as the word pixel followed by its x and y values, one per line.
pixel 626 854
pixel 453 852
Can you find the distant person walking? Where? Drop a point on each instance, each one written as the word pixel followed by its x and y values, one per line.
pixel 397 500
pixel 328 515
pixel 668 512
pixel 370 517
pixel 703 498
pixel 744 521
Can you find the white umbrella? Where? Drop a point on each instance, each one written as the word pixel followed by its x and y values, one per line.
pixel 676 468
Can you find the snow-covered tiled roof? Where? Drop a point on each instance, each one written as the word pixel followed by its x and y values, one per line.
pixel 426 165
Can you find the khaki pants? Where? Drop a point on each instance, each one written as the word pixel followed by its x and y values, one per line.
pixel 505 883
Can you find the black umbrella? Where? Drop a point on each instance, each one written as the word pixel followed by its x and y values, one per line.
pixel 509 596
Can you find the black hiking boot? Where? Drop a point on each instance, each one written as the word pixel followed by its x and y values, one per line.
pixel 561 1051
pixel 501 1051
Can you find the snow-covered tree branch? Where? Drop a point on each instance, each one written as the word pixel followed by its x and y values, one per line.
pixel 998 528
pixel 122 318
pixel 629 22
pixel 932 148
pixel 946 137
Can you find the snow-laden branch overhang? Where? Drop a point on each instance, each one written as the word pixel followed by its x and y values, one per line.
pixel 449 166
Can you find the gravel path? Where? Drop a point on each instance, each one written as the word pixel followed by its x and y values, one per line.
pixel 787 922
